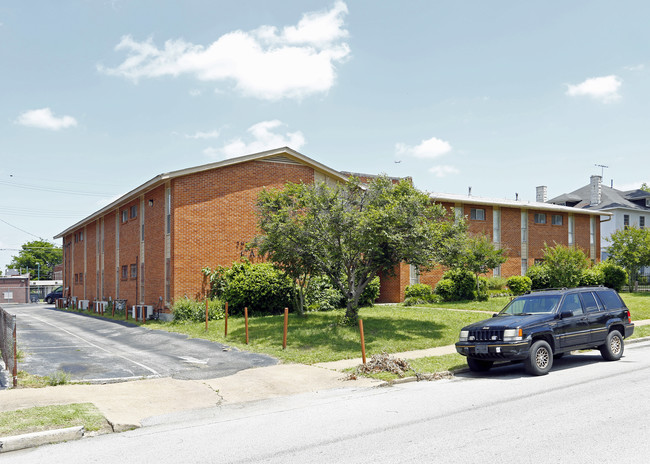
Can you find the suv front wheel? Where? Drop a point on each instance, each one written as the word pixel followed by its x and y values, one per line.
pixel 540 358
pixel 613 348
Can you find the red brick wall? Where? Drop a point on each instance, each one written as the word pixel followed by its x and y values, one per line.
pixel 109 256
pixel 214 217
pixel 154 246
pixel 129 251
pixel 90 242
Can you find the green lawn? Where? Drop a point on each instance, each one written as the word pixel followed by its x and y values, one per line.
pixel 51 417
pixel 318 337
pixel 638 304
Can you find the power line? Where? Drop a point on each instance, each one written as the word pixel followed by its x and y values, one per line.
pixel 24 231
pixel 55 190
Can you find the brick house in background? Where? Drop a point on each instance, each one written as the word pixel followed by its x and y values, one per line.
pixel 520 227
pixel 149 246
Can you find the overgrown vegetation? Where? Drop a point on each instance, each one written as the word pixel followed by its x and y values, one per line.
pixel 460 284
pixel 192 310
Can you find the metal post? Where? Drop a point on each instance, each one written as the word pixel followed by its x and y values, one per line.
pixel 15 370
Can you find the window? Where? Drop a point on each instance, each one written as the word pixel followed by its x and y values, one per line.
pixel 134 271
pixel 540 218
pixel 81 277
pixel 647 202
pixel 589 301
pixel 626 221
pixel 539 261
pixel 133 212
pixel 76 278
pixel 642 222
pixel 572 304
pixel 477 214
pixel 610 299
pixel 125 214
pixel 125 272
pixel 557 220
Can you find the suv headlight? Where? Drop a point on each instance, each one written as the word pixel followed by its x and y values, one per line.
pixel 512 335
pixel 463 335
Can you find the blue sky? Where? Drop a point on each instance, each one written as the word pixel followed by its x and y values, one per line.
pixel 99 96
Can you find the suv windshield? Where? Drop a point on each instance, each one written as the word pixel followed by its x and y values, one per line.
pixel 532 304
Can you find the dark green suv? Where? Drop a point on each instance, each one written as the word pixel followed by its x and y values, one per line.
pixel 539 326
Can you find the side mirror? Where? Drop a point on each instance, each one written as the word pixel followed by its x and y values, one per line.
pixel 494 314
pixel 565 314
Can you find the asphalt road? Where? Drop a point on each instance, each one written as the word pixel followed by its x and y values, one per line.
pixel 586 410
pixel 92 349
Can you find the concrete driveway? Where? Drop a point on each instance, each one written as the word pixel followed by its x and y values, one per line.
pixel 95 350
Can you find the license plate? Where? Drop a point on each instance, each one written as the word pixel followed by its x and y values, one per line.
pixel 479 349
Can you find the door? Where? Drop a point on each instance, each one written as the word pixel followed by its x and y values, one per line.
pixel 573 330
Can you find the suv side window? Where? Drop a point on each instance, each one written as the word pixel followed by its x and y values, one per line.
pixel 589 301
pixel 610 299
pixel 572 303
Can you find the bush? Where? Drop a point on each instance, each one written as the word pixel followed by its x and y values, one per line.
pixel 465 283
pixel 482 294
pixel 446 289
pixel 592 276
pixel 419 291
pixel 538 275
pixel 614 276
pixel 496 283
pixel 192 310
pixel 321 296
pixel 519 284
pixel 370 293
pixel 261 287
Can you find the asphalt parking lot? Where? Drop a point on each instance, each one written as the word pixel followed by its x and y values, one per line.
pixel 95 350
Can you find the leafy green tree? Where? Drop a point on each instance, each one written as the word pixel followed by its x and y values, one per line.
pixel 39 257
pixel 565 265
pixel 474 252
pixel 351 232
pixel 645 187
pixel 630 249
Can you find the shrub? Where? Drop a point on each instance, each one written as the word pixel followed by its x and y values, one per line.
pixel 538 275
pixel 465 283
pixel 419 291
pixel 614 276
pixel 261 287
pixel 370 293
pixel 321 296
pixel 592 276
pixel 565 265
pixel 192 310
pixel 496 283
pixel 446 289
pixel 519 284
pixel 482 293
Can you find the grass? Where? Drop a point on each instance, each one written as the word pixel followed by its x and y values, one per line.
pixel 51 417
pixel 27 380
pixel 319 338
pixel 638 304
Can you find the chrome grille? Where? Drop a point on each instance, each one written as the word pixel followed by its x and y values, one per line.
pixel 486 335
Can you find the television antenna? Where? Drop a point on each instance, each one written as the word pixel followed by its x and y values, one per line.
pixel 602 169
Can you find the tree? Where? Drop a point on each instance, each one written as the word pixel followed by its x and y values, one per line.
pixel 565 265
pixel 38 257
pixel 630 249
pixel 350 232
pixel 474 252
pixel 645 187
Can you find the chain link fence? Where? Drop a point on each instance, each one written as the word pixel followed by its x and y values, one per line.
pixel 8 343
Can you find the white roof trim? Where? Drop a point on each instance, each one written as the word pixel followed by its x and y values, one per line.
pixel 453 198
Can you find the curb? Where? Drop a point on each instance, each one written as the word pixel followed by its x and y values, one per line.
pixel 31 440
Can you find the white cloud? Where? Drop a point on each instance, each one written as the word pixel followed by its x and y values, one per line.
pixel 45 119
pixel 264 63
pixel 264 137
pixel 203 135
pixel 443 171
pixel 430 148
pixel 604 88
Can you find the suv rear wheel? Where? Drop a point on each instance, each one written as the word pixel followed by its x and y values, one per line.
pixel 613 348
pixel 479 365
pixel 540 358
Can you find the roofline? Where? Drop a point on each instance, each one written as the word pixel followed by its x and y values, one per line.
pixel 162 178
pixel 514 204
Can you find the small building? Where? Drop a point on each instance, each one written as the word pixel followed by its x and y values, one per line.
pixel 14 289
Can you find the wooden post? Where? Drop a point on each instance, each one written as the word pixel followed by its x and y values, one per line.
pixel 286 323
pixel 246 322
pixel 206 314
pixel 363 342
pixel 113 310
pixel 225 330
pixel 126 312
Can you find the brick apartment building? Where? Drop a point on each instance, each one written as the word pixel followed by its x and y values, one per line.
pixel 149 246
